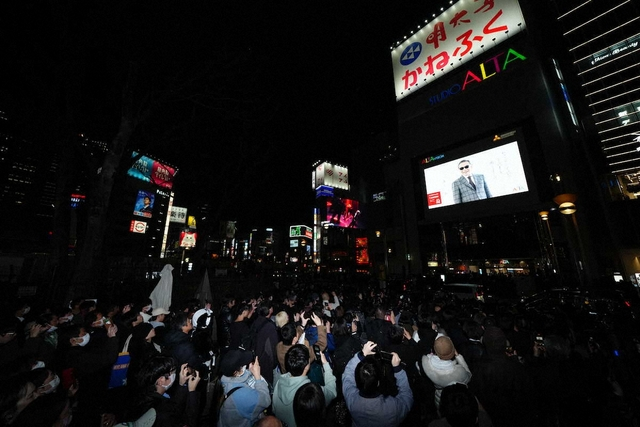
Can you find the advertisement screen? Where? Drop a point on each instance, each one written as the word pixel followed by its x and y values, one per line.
pixel 492 173
pixel 344 213
pixel 144 204
pixel 362 251
pixel 152 171
pixel 483 176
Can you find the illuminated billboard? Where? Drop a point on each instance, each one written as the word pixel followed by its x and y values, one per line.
pixel 464 31
pixel 178 214
pixel 481 177
pixel 188 239
pixel 144 204
pixel 152 171
pixel 300 231
pixel 138 227
pixel 344 213
pixel 495 172
pixel 331 176
pixel 362 251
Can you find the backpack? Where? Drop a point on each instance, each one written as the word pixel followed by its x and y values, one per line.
pixel 219 397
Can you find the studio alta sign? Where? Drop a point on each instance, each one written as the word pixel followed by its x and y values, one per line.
pixel 487 69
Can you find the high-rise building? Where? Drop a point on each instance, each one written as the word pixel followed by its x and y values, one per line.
pixel 508 110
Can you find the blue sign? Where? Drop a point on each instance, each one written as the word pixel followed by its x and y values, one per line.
pixel 324 191
pixel 411 53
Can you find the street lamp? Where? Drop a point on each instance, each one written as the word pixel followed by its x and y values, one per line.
pixel 566 206
pixel 566 203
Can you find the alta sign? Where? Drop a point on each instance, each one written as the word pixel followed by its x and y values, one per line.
pixel 487 69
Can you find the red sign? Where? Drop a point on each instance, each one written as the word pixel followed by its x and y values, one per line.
pixel 434 199
pixel 138 227
pixel 188 239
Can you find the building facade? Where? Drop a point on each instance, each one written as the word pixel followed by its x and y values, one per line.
pixel 504 114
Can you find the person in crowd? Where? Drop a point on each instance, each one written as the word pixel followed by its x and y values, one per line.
pixel 297 362
pixel 240 326
pixel 371 398
pixel 266 340
pixel 18 393
pixel 158 317
pixel 89 364
pixel 313 331
pixel 156 378
pixel 348 343
pixel 445 367
pixel 329 303
pixel 281 319
pixel 14 353
pixel 140 349
pixel 129 320
pixel 225 319
pixel 246 391
pixel 77 316
pixel 291 335
pixel 268 421
pixel 309 406
pixel 502 384
pixel 289 304
pixel 178 344
pixel 52 400
pixel 21 310
pixel 472 349
pixel 562 390
pixel 377 329
pixel 401 342
pixel 460 408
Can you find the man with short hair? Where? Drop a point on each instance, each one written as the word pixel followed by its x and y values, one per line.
pixel 179 345
pixel 298 365
pixel 470 186
pixel 292 334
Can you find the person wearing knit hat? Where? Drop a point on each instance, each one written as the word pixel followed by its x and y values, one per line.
pixel 445 366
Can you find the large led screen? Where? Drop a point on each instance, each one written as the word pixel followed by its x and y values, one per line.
pixel 344 213
pixel 496 172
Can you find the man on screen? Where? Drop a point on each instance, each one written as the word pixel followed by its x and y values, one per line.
pixel 470 186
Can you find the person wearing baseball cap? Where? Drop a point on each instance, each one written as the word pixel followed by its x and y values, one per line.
pixel 246 390
pixel 445 366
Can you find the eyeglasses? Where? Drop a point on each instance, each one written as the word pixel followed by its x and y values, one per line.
pixel 464 167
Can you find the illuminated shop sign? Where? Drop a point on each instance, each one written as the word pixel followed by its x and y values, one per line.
pixel 152 171
pixel 486 69
pixel 178 214
pixel 331 175
pixel 300 231
pixel 379 197
pixel 432 159
pixel 468 28
pixel 610 53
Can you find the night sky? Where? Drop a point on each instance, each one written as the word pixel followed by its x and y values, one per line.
pixel 257 91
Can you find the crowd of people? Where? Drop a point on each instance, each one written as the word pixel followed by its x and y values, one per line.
pixel 318 355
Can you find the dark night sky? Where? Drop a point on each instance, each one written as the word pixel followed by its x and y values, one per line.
pixel 320 70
